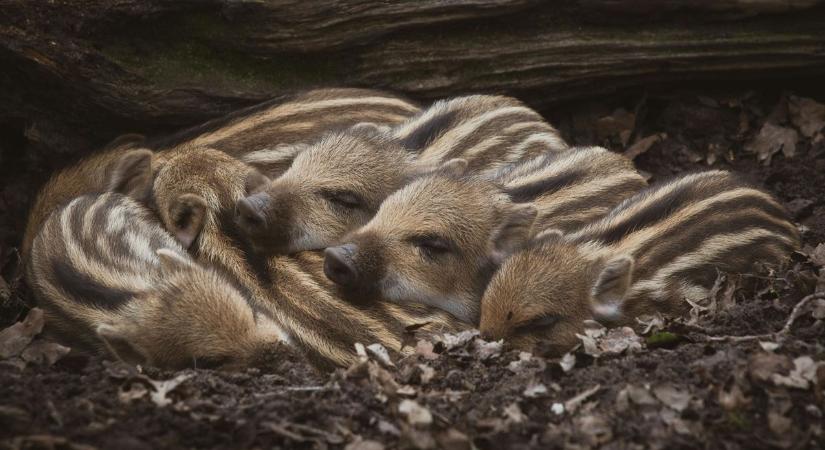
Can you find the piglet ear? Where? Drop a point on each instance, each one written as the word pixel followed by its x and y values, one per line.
pixel 456 167
pixel 514 232
pixel 120 344
pixel 132 174
pixel 611 287
pixel 187 216
pixel 255 181
pixel 171 260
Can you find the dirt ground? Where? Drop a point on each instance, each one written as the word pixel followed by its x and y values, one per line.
pixel 727 377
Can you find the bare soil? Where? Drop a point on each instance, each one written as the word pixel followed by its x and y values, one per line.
pixel 682 389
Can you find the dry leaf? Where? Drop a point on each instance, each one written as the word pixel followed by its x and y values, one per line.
pixel 427 373
pixel 380 354
pixel 44 352
pixel 618 340
pixel 425 350
pixel 416 414
pixel 818 255
pixel 778 423
pixel 568 362
pixel 620 123
pixel 135 391
pixel 453 439
pixel 406 391
pixel 163 388
pixel 594 430
pixel 768 346
pixel 643 145
pixel 14 339
pixel 364 445
pixel 770 140
pixel 535 389
pixel 818 310
pixel 639 395
pixel 762 366
pixel 733 398
pixel 513 414
pixel 672 397
pixel 452 341
pixel 807 115
pixel 485 350
pixel 518 365
pixel 388 428
pixel 574 403
pixel 801 376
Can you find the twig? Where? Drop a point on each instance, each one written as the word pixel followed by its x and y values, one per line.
pixel 778 335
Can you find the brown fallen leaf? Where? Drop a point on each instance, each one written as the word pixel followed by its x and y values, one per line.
pixel 620 123
pixel 639 395
pixel 778 423
pixel 484 350
pixel 164 387
pixel 818 311
pixel 427 373
pixel 417 415
pixel 380 354
pixel 535 389
pixel 807 115
pixel 425 350
pixel 643 145
pixel 676 399
pixel 361 444
pixel 567 362
pixel 14 339
pixel 772 139
pixel 513 414
pixel 818 255
pixel 801 376
pixel 573 404
pixel 762 366
pixel 593 430
pixel 453 439
pixel 44 352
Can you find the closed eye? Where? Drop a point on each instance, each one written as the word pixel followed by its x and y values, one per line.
pixel 343 197
pixel 431 246
pixel 541 323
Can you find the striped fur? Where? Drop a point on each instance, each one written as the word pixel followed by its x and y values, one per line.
pixel 110 278
pixel 649 254
pixel 337 184
pixel 290 290
pixel 438 240
pixel 269 135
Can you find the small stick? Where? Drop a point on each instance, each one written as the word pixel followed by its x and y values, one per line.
pixel 779 335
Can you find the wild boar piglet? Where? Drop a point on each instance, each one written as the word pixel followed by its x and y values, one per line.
pixel 337 184
pixel 650 254
pixel 438 240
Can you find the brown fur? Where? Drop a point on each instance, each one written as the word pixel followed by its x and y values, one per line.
pixel 292 291
pixel 438 240
pixel 287 123
pixel 336 184
pixel 649 254
pixel 112 280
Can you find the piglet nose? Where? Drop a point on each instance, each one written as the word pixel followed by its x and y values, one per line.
pixel 339 265
pixel 249 210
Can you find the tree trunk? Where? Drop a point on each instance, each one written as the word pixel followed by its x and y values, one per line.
pixel 81 71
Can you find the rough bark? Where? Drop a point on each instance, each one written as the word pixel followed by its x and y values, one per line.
pixel 81 71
